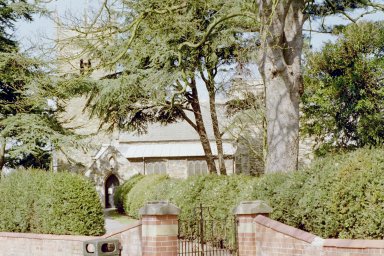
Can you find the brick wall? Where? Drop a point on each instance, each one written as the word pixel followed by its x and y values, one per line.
pixel 27 244
pixel 21 244
pixel 246 234
pixel 130 239
pixel 159 235
pixel 342 247
pixel 273 238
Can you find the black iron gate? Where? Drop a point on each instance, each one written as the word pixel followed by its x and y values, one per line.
pixel 205 234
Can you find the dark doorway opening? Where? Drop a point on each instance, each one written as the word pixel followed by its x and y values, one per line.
pixel 110 187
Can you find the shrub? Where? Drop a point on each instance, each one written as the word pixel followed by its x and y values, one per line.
pixel 123 190
pixel 52 203
pixel 146 189
pixel 220 193
pixel 345 196
pixel 285 195
pixel 17 194
pixel 187 195
pixel 340 196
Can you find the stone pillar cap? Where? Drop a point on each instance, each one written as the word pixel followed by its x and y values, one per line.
pixel 252 207
pixel 159 208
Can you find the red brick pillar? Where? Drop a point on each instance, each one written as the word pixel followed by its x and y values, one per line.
pixel 246 234
pixel 159 229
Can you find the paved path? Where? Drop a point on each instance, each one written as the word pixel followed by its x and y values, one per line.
pixel 113 223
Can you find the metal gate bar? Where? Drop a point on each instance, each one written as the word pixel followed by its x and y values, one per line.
pixel 207 236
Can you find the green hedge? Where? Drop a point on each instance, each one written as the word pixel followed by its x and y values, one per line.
pixel 123 190
pixel 346 198
pixel 50 203
pixel 340 196
pixel 218 192
pixel 146 189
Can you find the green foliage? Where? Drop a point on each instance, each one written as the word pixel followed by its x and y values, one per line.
pixel 158 72
pixel 123 190
pixel 344 196
pixel 324 8
pixel 285 196
pixel 50 203
pixel 18 192
pixel 10 12
pixel 146 189
pixel 29 117
pixel 340 196
pixel 29 124
pixel 314 210
pixel 161 49
pixel 219 193
pixel 344 96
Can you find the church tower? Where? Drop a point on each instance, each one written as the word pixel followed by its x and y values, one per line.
pixel 72 62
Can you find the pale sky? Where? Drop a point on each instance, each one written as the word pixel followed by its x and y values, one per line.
pixel 42 27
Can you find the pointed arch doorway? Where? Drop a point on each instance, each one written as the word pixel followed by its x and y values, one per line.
pixel 110 187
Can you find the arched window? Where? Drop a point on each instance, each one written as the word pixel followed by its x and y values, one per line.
pixel 197 167
pixel 155 167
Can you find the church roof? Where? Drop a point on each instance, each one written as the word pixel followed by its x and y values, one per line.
pixel 172 149
pixel 179 131
pixel 175 140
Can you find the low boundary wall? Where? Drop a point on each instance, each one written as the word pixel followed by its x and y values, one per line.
pixel 275 238
pixel 28 244
pixel 130 239
pixel 259 235
pixel 156 234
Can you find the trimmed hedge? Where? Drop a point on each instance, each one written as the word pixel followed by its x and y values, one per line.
pixel 49 203
pixel 339 196
pixel 123 190
pixel 146 189
pixel 218 192
pixel 345 199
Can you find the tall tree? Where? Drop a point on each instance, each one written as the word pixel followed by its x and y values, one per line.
pixel 161 69
pixel 280 66
pixel 29 116
pixel 344 99
pixel 9 13
pixel 179 28
pixel 29 126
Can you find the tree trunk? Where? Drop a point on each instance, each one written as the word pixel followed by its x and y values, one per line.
pixel 280 67
pixel 215 123
pixel 216 132
pixel 201 129
pixel 2 154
